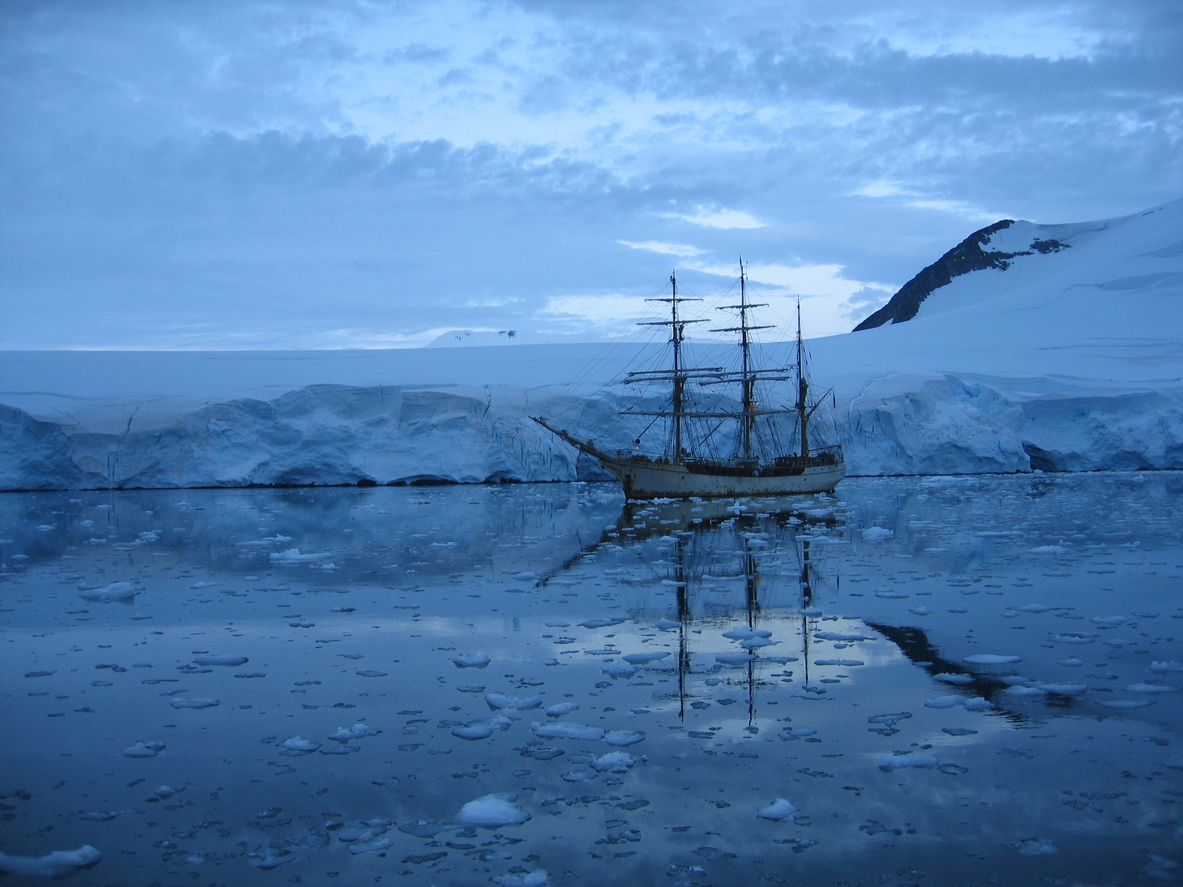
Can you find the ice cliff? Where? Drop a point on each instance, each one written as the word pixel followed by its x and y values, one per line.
pixel 1057 348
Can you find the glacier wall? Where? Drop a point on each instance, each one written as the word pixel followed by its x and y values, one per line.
pixel 342 434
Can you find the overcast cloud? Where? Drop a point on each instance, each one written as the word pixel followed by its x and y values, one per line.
pixel 303 175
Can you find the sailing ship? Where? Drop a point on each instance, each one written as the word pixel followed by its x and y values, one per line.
pixel 757 465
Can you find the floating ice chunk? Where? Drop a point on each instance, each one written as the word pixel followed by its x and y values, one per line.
pixel 621 761
pixel 1063 689
pixel 301 745
pixel 143 750
pixel 948 678
pixel 369 673
pixel 622 738
pixel 1034 608
pixel 920 611
pixel 471 660
pixel 492 811
pixel 1049 549
pixel 536 878
pixel 203 584
pixel 1167 667
pixel 844 663
pixel 1124 703
pixel 847 638
pixel 1152 688
pixel 602 623
pixel 667 624
pixel 812 612
pixel 991 659
pixel 224 659
pixel 753 643
pixel 742 633
pixel 901 762
pixel 1076 637
pixel 644 658
pixel 563 730
pixel 357 731
pixel 375 846
pixel 58 864
pixel 116 591
pixel 579 776
pixel 563 708
pixel 977 703
pixel 1035 847
pixel 777 810
pixel 800 732
pixel 195 702
pixel 1070 662
pixel 293 556
pixel 944 701
pixel 877 534
pixel 498 701
pixel 735 658
pixel 618 670
pixel 1108 620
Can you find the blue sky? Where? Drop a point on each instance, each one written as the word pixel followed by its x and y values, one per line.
pixel 369 174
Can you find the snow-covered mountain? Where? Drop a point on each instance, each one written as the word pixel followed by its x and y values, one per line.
pixel 1051 347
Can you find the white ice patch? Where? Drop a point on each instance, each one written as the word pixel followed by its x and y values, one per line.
pixel 563 708
pixel 622 738
pixel 357 731
pixel 492 811
pixel 58 864
pixel 536 878
pixel 618 670
pixel 777 810
pixel 566 731
pixel 743 633
pixel 498 701
pixel 195 702
pixel 644 658
pixel 877 534
pixel 116 591
pixel 143 750
pixel 944 701
pixel 301 745
pixel 978 703
pixel 667 624
pixel 621 761
pixel 293 556
pixel 471 660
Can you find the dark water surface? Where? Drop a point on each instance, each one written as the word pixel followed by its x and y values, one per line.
pixel 937 681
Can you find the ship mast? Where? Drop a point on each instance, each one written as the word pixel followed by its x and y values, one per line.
pixel 802 389
pixel 679 375
pixel 747 376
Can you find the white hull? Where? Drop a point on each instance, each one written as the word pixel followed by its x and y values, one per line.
pixel 655 481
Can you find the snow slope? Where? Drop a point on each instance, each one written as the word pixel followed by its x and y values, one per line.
pixel 1068 357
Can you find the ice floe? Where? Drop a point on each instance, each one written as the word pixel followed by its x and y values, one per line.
pixel 58 864
pixel 471 660
pixel 498 701
pixel 492 811
pixel 776 811
pixel 115 592
pixel 565 730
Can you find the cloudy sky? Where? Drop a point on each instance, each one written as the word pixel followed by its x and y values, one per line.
pixel 374 174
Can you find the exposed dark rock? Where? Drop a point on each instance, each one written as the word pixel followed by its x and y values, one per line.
pixel 1048 246
pixel 965 257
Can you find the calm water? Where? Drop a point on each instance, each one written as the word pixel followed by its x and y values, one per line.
pixel 937 681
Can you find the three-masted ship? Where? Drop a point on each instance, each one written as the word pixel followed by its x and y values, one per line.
pixel 755 467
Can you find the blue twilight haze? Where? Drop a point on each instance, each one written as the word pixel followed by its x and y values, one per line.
pixel 375 174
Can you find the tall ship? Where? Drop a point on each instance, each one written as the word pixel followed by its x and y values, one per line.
pixel 765 454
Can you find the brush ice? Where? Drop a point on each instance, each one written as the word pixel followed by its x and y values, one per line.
pixel 777 810
pixel 644 658
pixel 471 660
pixel 116 591
pixel 903 762
pixel 194 702
pixel 498 701
pixel 58 864
pixel 992 659
pixel 624 737
pixel 224 659
pixel 566 731
pixel 492 811
pixel 621 761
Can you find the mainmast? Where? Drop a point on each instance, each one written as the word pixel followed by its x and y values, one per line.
pixel 677 332
pixel 802 389
pixel 747 376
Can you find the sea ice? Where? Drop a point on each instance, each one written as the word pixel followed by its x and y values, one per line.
pixel 624 737
pixel 116 591
pixel 471 660
pixel 644 658
pixel 667 624
pixel 195 702
pixel 293 556
pixel 948 678
pixel 991 659
pixel 563 708
pixel 492 811
pixel 742 633
pixel 357 731
pixel 618 670
pixel 900 762
pixel 944 701
pixel 536 878
pixel 563 730
pixel 224 659
pixel 877 534
pixel 777 810
pixel 301 745
pixel 58 864
pixel 498 701
pixel 977 703
pixel 621 761
pixel 143 750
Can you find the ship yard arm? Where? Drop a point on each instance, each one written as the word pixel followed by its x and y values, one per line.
pixel 584 446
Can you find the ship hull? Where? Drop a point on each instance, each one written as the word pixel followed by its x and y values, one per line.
pixel 656 481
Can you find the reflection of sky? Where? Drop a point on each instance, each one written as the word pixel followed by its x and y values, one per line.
pixel 555 583
pixel 279 175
